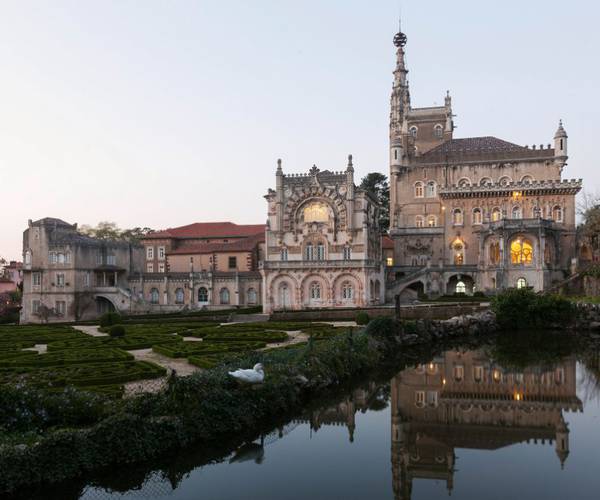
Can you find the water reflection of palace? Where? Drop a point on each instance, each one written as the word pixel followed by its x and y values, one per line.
pixel 464 400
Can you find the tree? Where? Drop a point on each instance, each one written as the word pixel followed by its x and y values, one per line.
pixel 377 185
pixel 110 231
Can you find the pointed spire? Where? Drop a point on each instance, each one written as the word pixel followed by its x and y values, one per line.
pixel 560 132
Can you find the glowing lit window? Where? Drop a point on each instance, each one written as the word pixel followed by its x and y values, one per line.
pixel 521 251
pixel 478 373
pixel 419 221
pixel 389 261
pixel 432 221
pixel 316 212
pixel 461 287
pixel 477 216
pixel 521 283
pixel 459 373
pixel 557 214
pixel 496 214
pixel 419 399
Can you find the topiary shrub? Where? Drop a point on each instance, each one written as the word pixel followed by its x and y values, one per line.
pixel 382 328
pixel 521 309
pixel 110 318
pixel 117 331
pixel 362 318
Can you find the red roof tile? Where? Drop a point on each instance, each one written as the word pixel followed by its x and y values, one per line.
pixel 209 230
pixel 387 242
pixel 240 245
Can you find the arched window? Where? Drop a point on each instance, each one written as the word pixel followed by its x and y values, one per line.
pixel 459 252
pixel 438 131
pixel 527 179
pixel 485 181
pixel 413 131
pixel 495 253
pixel 496 214
pixel 284 253
pixel 320 251
pixel 419 221
pixel 457 217
pixel 154 295
pixel 516 212
pixel 202 294
pixel 308 252
pixel 557 213
pixel 224 296
pixel 477 216
pixel 430 189
pixel 521 283
pixel 347 291
pixel 521 251
pixel 464 182
pixel 461 287
pixel 284 295
pixel 432 221
pixel 504 181
pixel 315 290
pixel 179 296
pixel 251 296
pixel 418 190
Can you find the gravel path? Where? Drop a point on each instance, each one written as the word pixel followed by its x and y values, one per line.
pixel 91 330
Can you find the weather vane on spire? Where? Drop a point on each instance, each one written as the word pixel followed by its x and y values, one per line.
pixel 400 38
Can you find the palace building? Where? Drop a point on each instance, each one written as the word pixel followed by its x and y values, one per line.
pixel 323 243
pixel 476 213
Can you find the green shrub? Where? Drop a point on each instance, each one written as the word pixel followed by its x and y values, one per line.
pixel 520 309
pixel 117 331
pixel 382 328
pixel 110 318
pixel 362 318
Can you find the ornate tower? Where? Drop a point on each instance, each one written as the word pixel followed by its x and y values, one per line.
pixel 400 105
pixel 560 145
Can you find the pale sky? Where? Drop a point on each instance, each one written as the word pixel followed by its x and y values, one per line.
pixel 163 113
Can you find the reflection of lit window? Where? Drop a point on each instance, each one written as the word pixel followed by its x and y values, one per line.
pixel 420 399
pixel 497 375
pixel 316 212
pixel 559 376
pixel 521 251
pixel 459 373
pixel 432 398
pixel 478 373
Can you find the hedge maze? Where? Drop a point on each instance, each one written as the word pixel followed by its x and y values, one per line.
pixel 103 364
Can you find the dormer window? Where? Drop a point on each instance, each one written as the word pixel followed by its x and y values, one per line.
pixel 413 131
pixel 438 131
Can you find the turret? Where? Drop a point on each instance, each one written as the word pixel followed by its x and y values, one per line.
pixel 560 144
pixel 562 441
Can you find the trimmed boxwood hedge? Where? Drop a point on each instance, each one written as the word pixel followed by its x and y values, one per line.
pixel 185 349
pixel 68 357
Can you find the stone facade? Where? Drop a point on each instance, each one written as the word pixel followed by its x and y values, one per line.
pixel 477 213
pixel 323 244
pixel 69 277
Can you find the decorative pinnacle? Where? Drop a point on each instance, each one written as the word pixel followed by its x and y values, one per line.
pixel 279 164
pixel 349 160
pixel 400 39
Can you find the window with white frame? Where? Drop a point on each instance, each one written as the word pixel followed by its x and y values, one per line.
pixel 60 307
pixel 60 279
pixel 86 279
pixel 68 258
pixel 179 296
pixel 347 253
pixel 111 260
pixel 320 251
pixel 36 279
pixel 251 296
pixel 202 294
pixel 347 291
pixel 419 221
pixel 149 253
pixel 432 221
pixel 557 213
pixel 517 212
pixel 149 267
pixel 35 306
pixel 308 252
pixel 28 257
pixel 430 189
pixel 284 254
pixel 457 217
pixel 477 217
pixel 154 296
pixel 224 296
pixel 432 399
pixel 161 253
pixel 99 258
pixel 53 258
pixel 60 258
pixel 161 267
pixel 315 290
pixel 496 214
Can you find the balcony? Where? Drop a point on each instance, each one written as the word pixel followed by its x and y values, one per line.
pixel 319 264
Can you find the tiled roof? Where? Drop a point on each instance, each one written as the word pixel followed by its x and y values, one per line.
pixel 387 242
pixel 240 245
pixel 471 144
pixel 209 230
pixel 51 221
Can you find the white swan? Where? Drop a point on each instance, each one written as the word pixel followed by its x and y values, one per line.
pixel 254 376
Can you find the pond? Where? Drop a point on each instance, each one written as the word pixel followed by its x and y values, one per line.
pixel 459 424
